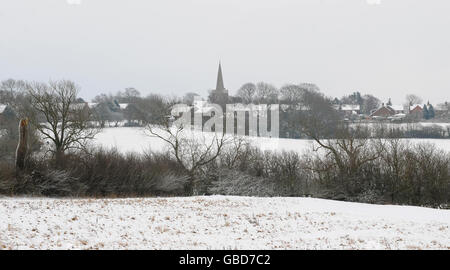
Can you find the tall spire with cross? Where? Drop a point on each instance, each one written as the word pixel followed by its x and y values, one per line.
pixel 220 94
pixel 219 85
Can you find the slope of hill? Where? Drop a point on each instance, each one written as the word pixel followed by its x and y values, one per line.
pixel 218 222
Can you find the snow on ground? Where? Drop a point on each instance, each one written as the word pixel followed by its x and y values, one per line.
pixel 132 139
pixel 218 222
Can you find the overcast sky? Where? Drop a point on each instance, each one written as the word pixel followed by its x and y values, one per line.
pixel 174 46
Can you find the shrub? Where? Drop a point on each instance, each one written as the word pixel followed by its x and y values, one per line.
pixel 7 178
pixel 232 182
pixel 400 173
pixel 99 173
pixel 283 173
pixel 417 174
pixel 108 172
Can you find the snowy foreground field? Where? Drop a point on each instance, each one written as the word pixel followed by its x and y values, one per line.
pixel 218 222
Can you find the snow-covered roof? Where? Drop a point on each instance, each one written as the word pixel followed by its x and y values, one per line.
pixel 412 107
pixel 297 107
pixel 77 106
pixel 397 107
pixel 398 115
pixel 2 108
pixel 347 107
pixel 202 106
pixel 183 109
pixel 123 106
pixel 442 107
pixel 205 109
pixel 92 105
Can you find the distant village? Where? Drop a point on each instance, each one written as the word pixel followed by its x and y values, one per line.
pixel 128 108
pixel 397 113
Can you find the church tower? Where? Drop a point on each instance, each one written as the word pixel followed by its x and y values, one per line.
pixel 220 88
pixel 220 94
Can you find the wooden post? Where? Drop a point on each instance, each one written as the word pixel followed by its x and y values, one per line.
pixel 22 146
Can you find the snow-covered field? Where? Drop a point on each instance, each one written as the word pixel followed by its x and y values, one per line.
pixel 218 222
pixel 132 139
pixel 128 139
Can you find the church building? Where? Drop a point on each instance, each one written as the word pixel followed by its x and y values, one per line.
pixel 220 94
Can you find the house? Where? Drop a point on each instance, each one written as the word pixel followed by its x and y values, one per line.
pixel 202 112
pixel 389 111
pixel 415 112
pixel 348 110
pixel 442 110
pixel 296 107
pixel 398 109
pixel 397 117
pixel 92 105
pixel 2 108
pixel 384 111
pixel 6 113
pixel 202 107
pixel 123 106
pixel 416 107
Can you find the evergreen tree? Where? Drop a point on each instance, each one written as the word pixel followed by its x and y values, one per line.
pixel 431 113
pixel 426 114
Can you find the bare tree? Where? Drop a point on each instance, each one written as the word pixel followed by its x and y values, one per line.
pixel 192 151
pixel 13 94
pixel 130 95
pixel 65 123
pixel 103 98
pixel 413 99
pixel 237 152
pixel 102 113
pixel 9 89
pixel 337 144
pixel 291 93
pixel 350 150
pixel 316 116
pixel 247 92
pixel 266 93
pixel 370 103
pixel 156 107
pixel 394 153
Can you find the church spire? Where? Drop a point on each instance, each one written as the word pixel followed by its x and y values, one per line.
pixel 220 86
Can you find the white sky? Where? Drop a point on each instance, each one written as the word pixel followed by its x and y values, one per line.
pixel 174 46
